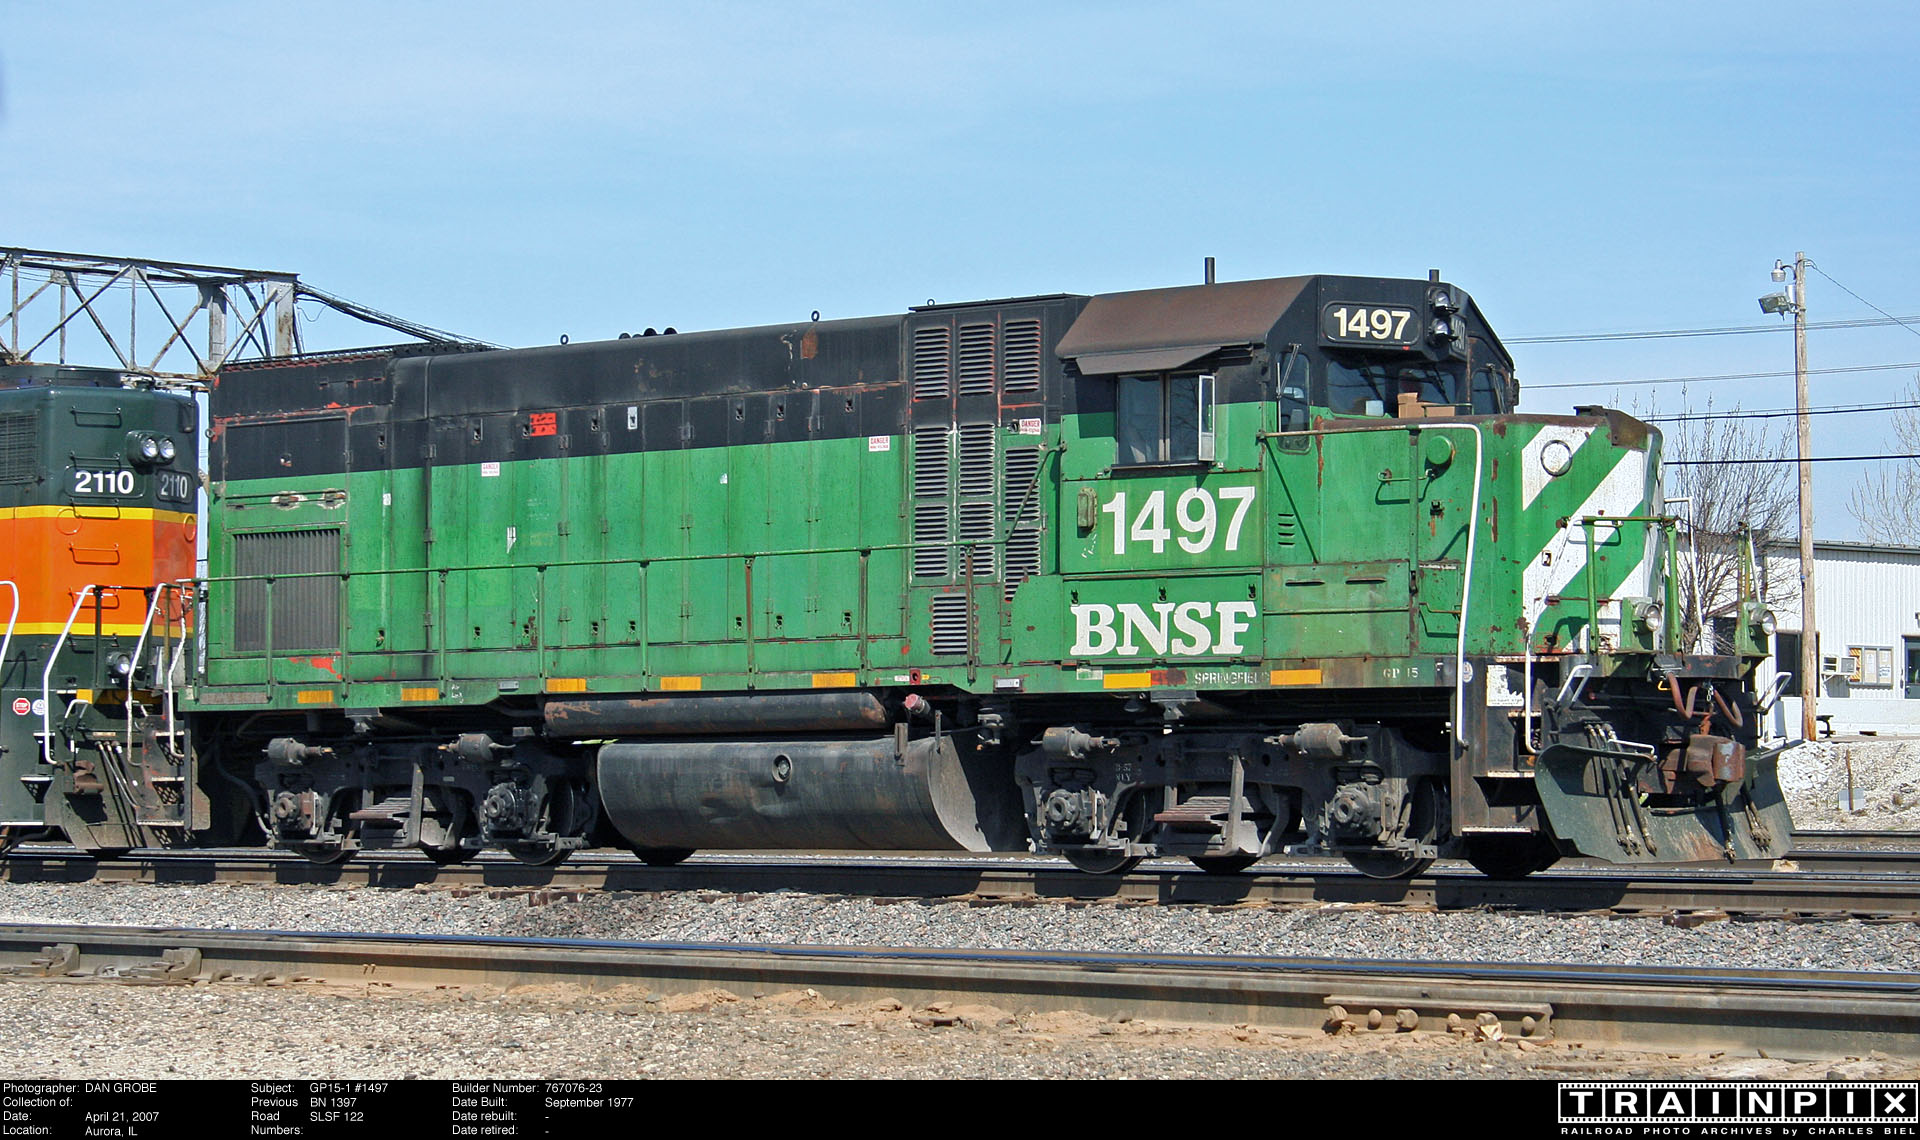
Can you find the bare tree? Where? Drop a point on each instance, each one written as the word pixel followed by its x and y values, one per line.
pixel 1735 475
pixel 1886 503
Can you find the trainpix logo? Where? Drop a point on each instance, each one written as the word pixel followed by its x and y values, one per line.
pixel 1699 1108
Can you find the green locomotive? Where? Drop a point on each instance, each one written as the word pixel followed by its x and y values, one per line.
pixel 1221 571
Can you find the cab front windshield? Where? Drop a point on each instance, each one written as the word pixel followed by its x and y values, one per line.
pixel 1360 386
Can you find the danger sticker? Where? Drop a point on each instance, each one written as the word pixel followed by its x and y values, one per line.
pixel 1030 427
pixel 22 706
pixel 879 443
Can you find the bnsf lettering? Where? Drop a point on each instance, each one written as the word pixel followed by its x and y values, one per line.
pixel 1178 629
pixel 1195 511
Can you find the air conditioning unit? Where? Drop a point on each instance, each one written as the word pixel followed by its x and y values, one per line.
pixel 1830 666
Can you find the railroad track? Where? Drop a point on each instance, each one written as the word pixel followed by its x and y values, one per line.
pixel 1885 886
pixel 1781 1012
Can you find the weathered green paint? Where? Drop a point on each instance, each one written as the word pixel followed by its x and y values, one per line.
pixel 757 567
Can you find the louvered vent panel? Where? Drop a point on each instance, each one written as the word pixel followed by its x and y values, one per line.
pixel 976 537
pixel 930 553
pixel 930 462
pixel 950 625
pixel 1022 356
pixel 19 446
pixel 1023 464
pixel 306 611
pixel 1286 529
pixel 932 363
pixel 1023 516
pixel 976 458
pixel 1023 558
pixel 931 503
pixel 976 360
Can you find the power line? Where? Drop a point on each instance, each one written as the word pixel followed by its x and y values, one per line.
pixel 1723 330
pixel 1723 376
pixel 1776 413
pixel 1869 304
pixel 1812 459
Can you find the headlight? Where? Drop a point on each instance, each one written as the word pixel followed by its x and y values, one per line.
pixel 1766 622
pixel 149 448
pixel 167 450
pixel 1649 616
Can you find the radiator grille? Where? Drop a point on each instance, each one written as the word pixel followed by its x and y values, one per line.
pixel 306 611
pixel 19 447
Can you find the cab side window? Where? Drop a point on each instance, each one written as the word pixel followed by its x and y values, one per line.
pixel 1164 418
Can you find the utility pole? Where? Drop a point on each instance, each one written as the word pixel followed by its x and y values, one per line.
pixel 1809 634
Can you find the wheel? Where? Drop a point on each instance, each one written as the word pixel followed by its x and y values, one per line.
pixel 326 854
pixel 1511 856
pixel 663 856
pixel 540 854
pixel 1224 864
pixel 1387 864
pixel 1102 862
pixel 103 854
pixel 1424 826
pixel 446 856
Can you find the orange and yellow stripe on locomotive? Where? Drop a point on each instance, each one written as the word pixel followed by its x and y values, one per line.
pixel 53 553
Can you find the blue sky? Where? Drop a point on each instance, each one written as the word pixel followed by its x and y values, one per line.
pixel 518 172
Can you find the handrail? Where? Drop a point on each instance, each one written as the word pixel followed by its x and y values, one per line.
pixel 1669 534
pixel 1466 580
pixel 133 666
pixel 6 639
pixel 46 676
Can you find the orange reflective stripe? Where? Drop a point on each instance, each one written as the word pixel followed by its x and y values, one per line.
pixel 52 553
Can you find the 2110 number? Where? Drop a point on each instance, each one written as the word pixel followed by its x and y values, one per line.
pixel 1196 512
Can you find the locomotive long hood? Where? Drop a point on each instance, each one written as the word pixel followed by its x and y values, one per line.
pixel 1157 329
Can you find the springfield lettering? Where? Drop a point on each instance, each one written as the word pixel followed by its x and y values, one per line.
pixel 1179 629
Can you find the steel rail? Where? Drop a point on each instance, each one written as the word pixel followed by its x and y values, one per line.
pixel 1747 891
pixel 1821 1014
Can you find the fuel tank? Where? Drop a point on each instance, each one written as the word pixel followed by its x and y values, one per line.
pixel 874 794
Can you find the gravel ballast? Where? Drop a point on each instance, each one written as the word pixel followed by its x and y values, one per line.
pixel 308 1030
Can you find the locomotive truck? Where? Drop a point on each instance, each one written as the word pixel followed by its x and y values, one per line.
pixel 1219 571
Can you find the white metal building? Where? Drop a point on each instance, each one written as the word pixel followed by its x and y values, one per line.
pixel 1867 603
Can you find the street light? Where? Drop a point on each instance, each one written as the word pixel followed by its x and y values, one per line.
pixel 1794 300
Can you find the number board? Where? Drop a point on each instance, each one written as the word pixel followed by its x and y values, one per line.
pixel 115 482
pixel 173 486
pixel 1349 322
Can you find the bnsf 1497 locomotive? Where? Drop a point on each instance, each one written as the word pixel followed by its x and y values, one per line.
pixel 1220 571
